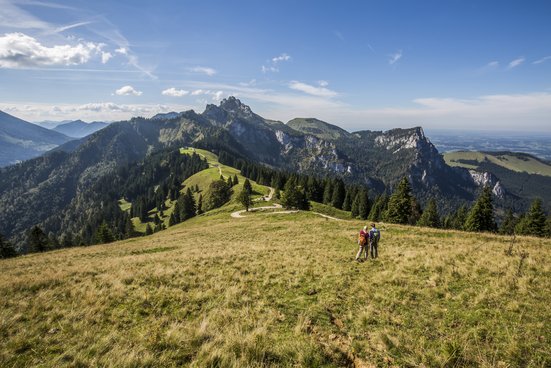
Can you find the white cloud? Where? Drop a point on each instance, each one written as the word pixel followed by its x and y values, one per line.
pixel 173 92
pixel 272 64
pixel 203 70
pixel 217 96
pixel 282 57
pixel 323 83
pixel 127 91
pixel 515 63
pixel 105 57
pixel 199 92
pixel 493 64
pixel 266 69
pixel 542 60
pixel 320 91
pixel 18 50
pixel 122 51
pixel 395 57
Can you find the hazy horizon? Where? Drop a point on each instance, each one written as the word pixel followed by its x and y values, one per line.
pixel 359 65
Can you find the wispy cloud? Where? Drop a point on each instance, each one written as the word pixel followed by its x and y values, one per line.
pixel 173 92
pixel 272 65
pixel 515 63
pixel 70 26
pixel 282 57
pixel 128 91
pixel 542 60
pixel 393 59
pixel 203 70
pixel 319 91
pixel 493 64
pixel 19 50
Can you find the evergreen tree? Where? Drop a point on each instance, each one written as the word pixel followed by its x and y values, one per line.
pixel 235 179
pixel 314 192
pixel 534 222
pixel 217 195
pixel 247 186
pixel 347 204
pixel 294 196
pixel 481 215
pixel 172 220
pixel 508 224
pixel 230 181
pixel 245 199
pixel 355 208
pixel 277 193
pixel 430 217
pixel 328 191
pixel 188 208
pixel 6 248
pixel 378 208
pixel 104 234
pixel 364 207
pixel 200 204
pixel 176 212
pixel 197 188
pixel 459 217
pixel 338 195
pixel 38 241
pixel 416 212
pixel 399 204
pixel 148 230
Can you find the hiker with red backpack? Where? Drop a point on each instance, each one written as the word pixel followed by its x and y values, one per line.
pixel 363 242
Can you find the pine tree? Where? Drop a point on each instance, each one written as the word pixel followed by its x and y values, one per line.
pixel 328 192
pixel 481 215
pixel 6 248
pixel 508 224
pixel 235 179
pixel 294 196
pixel 430 217
pixel 104 234
pixel 247 186
pixel 355 208
pixel 364 207
pixel 399 204
pixel 230 181
pixel 314 191
pixel 188 208
pixel 38 241
pixel 534 222
pixel 347 204
pixel 200 204
pixel 197 188
pixel 378 208
pixel 172 220
pixel 245 199
pixel 338 195
pixel 148 230
pixel 277 194
pixel 416 212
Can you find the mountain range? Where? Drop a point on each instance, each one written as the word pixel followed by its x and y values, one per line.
pixel 21 140
pixel 57 188
pixel 79 128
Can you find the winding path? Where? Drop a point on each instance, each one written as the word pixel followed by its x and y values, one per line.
pixel 238 214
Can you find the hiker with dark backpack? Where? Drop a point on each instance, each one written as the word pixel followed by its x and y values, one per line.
pixel 363 242
pixel 374 237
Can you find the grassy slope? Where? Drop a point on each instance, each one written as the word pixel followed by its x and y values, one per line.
pixel 202 179
pixel 514 163
pixel 279 290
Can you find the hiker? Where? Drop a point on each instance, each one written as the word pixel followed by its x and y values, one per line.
pixel 363 242
pixel 374 236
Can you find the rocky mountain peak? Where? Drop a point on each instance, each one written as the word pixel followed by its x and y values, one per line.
pixel 232 104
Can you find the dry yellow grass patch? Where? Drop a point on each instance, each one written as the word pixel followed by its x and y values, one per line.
pixel 279 290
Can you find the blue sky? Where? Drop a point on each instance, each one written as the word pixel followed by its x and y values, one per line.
pixel 358 64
